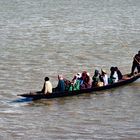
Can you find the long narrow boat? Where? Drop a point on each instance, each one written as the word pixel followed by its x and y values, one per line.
pixel 38 95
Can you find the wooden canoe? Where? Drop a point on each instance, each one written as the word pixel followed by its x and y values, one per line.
pixel 38 95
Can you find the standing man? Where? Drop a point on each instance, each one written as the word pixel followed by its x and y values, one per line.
pixel 136 63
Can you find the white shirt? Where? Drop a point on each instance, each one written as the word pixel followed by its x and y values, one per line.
pixel 115 75
pixel 105 79
pixel 48 87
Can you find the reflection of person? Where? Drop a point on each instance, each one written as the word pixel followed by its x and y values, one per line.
pixel 136 63
pixel 47 88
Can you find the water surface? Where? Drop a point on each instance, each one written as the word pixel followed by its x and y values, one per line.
pixel 47 38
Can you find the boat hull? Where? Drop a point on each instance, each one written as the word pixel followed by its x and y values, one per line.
pixel 57 94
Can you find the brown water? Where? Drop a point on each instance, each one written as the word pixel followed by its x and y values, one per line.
pixel 47 38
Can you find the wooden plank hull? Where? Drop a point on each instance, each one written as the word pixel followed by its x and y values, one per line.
pixel 57 94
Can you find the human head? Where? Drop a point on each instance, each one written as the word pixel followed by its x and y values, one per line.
pixel 96 72
pixel 84 73
pixel 46 78
pixel 112 69
pixel 139 52
pixel 116 68
pixel 60 77
pixel 78 75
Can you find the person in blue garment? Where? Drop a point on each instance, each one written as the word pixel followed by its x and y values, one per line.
pixel 61 84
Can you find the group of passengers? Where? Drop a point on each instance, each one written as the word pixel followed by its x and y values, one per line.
pixel 103 79
pixel 83 80
pixel 78 82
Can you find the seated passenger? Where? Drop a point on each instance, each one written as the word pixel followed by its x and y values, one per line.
pixel 95 79
pixel 47 88
pixel 67 84
pixel 75 83
pixel 82 79
pixel 61 84
pixel 88 81
pixel 104 77
pixel 113 75
pixel 120 76
pixel 79 77
pixel 85 80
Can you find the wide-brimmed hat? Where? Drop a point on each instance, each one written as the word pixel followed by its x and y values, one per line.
pixel 103 70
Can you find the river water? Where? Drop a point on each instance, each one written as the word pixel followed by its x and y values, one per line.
pixel 51 37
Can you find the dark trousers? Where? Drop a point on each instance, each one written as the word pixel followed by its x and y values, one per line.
pixel 135 65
